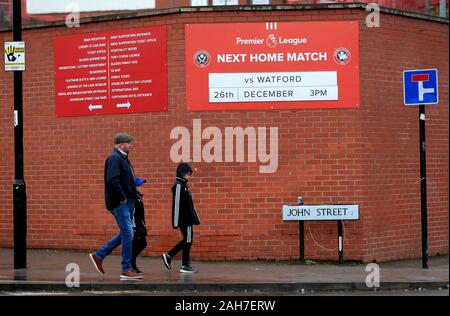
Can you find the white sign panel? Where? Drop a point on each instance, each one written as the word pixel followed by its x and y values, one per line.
pixel 273 86
pixel 14 56
pixel 199 2
pixel 320 212
pixel 66 6
pixel 225 2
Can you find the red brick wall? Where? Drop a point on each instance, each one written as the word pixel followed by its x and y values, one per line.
pixel 390 141
pixel 367 156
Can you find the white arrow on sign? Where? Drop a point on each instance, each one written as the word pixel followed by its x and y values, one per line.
pixel 95 107
pixel 124 105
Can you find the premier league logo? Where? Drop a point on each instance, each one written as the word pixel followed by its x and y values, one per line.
pixel 202 58
pixel 342 55
pixel 271 41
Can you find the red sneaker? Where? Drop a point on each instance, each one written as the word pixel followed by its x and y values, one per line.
pixel 130 275
pixel 97 263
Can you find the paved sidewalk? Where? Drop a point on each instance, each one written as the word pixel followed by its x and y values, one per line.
pixel 47 272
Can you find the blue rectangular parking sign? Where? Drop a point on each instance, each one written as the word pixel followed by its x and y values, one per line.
pixel 420 86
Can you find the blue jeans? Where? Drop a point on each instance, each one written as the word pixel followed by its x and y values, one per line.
pixel 124 219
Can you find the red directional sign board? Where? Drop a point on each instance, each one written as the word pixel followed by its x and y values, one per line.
pixel 113 72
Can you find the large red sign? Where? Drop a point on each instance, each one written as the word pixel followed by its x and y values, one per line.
pixel 279 65
pixel 111 72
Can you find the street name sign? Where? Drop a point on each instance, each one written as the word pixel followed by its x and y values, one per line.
pixel 320 212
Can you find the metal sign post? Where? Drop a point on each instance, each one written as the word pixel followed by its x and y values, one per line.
pixel 301 234
pixel 423 186
pixel 340 243
pixel 19 190
pixel 301 241
pixel 420 87
pixel 304 213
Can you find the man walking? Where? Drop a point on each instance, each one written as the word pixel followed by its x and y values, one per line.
pixel 120 195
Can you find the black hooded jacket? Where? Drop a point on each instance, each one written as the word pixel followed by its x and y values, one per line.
pixel 183 211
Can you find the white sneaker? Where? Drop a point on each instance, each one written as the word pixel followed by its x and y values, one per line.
pixel 187 269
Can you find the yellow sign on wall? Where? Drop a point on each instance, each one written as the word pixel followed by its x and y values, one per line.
pixel 14 56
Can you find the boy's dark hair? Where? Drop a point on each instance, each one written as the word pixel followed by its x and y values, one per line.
pixel 183 169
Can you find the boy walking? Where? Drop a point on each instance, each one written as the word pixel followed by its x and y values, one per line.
pixel 140 230
pixel 184 217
